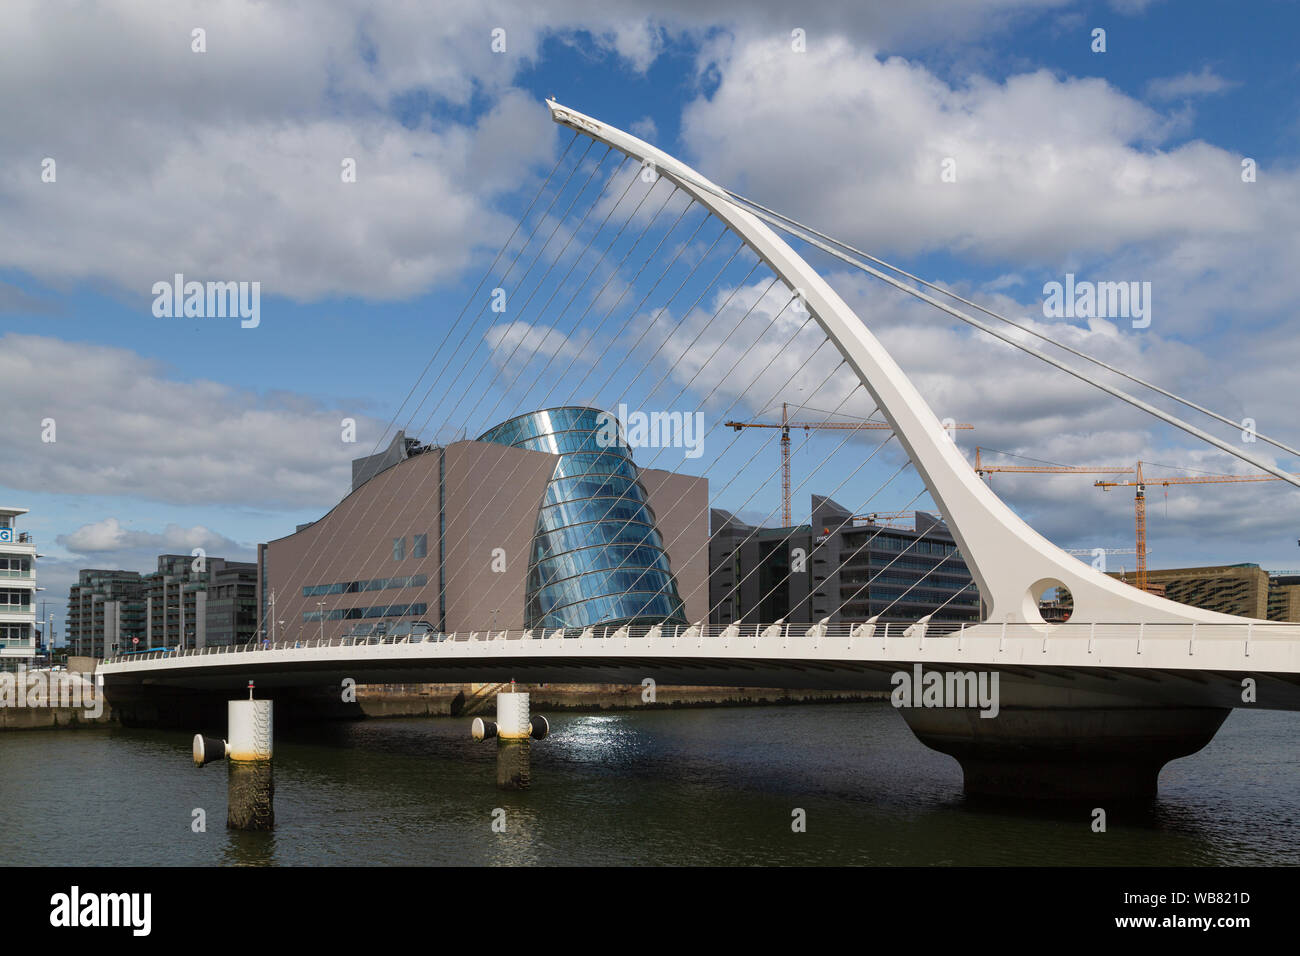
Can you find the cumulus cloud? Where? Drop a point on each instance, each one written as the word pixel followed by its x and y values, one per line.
pixel 1047 170
pixel 227 164
pixel 112 536
pixel 516 346
pixel 1201 83
pixel 121 427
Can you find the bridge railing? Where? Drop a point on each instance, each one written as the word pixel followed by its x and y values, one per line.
pixel 789 635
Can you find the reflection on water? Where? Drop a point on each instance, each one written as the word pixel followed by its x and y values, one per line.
pixel 662 787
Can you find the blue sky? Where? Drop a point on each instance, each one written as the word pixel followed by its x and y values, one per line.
pixel 224 165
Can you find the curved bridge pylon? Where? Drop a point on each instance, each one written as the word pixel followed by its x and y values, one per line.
pixel 1011 563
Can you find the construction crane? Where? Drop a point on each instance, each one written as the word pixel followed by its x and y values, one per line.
pixel 984 470
pixel 1139 485
pixel 1095 550
pixel 785 425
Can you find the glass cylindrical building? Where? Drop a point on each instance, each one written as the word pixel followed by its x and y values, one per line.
pixel 597 557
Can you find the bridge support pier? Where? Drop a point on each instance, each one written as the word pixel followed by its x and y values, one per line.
pixel 1057 753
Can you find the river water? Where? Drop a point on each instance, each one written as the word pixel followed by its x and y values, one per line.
pixel 717 786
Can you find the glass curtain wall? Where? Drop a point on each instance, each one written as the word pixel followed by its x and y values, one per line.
pixel 597 557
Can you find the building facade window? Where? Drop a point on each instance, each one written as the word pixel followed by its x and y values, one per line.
pixel 420 546
pixel 362 613
pixel 399 548
pixel 11 597
pixel 373 584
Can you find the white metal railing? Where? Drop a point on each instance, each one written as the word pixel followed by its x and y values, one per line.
pixel 802 634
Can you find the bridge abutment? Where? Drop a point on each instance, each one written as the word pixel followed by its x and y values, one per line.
pixel 1058 753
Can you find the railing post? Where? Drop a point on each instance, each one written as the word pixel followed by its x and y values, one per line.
pixel 961 632
pixel 1250 630
pixel 1191 643
pixel 1092 635
pixel 1002 641
pixel 1141 630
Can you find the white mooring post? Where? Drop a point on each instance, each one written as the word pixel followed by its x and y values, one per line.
pixel 514 729
pixel 250 797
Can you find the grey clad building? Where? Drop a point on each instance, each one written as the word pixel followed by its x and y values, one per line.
pixel 105 613
pixel 177 596
pixel 540 522
pixel 842 567
pixel 186 602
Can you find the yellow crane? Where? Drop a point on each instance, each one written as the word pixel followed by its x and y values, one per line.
pixel 1139 484
pixel 785 424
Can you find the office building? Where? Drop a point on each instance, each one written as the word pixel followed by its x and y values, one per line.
pixel 105 613
pixel 1284 596
pixel 841 567
pixel 177 597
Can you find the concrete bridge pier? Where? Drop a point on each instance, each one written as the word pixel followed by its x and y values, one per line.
pixel 1065 753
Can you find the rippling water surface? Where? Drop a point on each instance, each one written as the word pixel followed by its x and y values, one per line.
pixel 662 787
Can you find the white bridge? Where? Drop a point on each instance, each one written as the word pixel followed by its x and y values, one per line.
pixel 1197 665
pixel 1093 706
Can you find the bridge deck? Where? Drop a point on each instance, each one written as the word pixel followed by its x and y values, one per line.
pixel 1160 664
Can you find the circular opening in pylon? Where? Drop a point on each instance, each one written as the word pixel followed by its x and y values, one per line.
pixel 1054 600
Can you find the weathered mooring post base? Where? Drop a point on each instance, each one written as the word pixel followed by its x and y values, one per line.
pixel 250 797
pixel 514 729
pixel 1052 753
pixel 514 764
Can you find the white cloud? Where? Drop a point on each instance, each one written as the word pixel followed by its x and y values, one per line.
pixel 1202 83
pixel 110 535
pixel 517 345
pixel 1048 170
pixel 226 164
pixel 123 428
pixel 645 128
